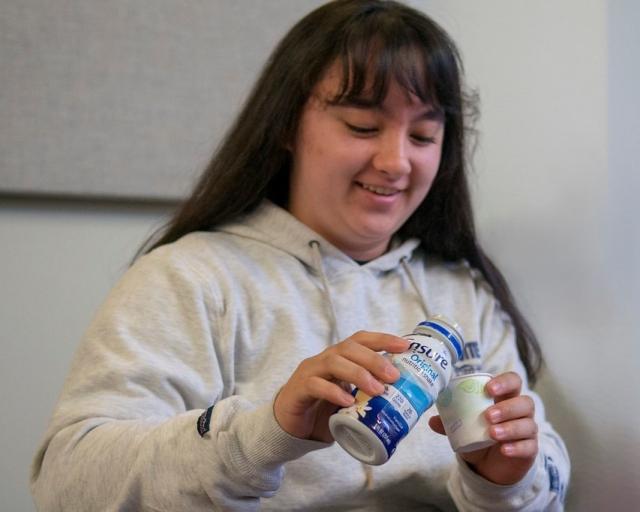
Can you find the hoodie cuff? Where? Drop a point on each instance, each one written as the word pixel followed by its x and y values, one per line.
pixel 262 447
pixel 469 488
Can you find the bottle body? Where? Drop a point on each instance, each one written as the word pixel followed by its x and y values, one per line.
pixel 371 429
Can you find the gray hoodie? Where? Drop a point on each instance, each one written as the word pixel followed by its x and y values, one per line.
pixel 222 319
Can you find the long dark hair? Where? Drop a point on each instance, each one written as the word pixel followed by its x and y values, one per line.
pixel 383 39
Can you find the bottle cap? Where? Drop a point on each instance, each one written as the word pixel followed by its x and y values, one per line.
pixel 450 332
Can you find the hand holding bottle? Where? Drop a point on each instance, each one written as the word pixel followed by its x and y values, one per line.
pixel 322 383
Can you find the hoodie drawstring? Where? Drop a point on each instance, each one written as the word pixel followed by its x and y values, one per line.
pixel 317 262
pixel 412 279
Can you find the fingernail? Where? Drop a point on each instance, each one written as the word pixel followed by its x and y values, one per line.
pixel 508 449
pixel 495 388
pixel 495 415
pixel 499 432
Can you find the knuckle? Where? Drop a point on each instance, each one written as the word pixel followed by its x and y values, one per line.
pixel 383 364
pixel 506 408
pixel 362 375
pixel 531 403
pixel 515 376
pixel 535 429
pixel 509 430
pixel 313 365
pixel 534 445
pixel 332 363
pixel 335 348
pixel 304 365
pixel 331 356
pixel 342 348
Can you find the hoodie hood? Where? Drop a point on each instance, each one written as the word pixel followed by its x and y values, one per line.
pixel 274 226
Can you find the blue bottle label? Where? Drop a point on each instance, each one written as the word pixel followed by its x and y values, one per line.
pixel 389 416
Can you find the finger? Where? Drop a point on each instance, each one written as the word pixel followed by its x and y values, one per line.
pixel 379 341
pixel 319 388
pixel 504 386
pixel 435 422
pixel 377 364
pixel 335 366
pixel 527 448
pixel 510 409
pixel 524 428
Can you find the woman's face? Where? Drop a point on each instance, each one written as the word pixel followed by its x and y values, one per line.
pixel 359 171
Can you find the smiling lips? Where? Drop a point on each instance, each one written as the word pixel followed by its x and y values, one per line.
pixel 381 191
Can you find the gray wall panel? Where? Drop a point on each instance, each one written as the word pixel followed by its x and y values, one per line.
pixel 125 99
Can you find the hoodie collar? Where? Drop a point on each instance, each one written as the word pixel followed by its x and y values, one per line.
pixel 275 226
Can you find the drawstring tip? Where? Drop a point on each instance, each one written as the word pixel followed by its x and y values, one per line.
pixel 368 477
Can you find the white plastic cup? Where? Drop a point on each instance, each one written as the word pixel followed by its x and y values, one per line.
pixel 461 406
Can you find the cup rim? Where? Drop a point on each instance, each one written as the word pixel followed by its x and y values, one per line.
pixel 470 376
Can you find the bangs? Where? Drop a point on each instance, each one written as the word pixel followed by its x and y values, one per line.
pixel 377 50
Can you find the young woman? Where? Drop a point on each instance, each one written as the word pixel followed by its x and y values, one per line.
pixel 334 217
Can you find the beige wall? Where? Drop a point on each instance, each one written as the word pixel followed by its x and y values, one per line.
pixel 556 182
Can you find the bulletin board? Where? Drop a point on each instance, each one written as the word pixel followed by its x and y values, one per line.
pixel 125 99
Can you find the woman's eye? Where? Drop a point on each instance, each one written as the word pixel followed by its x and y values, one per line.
pixel 361 130
pixel 423 139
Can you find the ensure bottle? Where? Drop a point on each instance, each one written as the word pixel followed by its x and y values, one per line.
pixel 371 429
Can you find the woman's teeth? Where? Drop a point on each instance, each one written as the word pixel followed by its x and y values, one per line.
pixel 379 190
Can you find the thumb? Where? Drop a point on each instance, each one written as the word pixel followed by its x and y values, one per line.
pixel 436 425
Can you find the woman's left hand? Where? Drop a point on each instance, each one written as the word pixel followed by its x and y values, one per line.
pixel 512 426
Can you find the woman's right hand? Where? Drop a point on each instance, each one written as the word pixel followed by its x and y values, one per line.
pixel 321 384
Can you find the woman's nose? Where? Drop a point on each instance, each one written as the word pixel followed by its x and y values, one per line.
pixel 391 156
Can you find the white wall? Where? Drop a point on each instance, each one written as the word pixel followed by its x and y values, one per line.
pixel 57 263
pixel 556 179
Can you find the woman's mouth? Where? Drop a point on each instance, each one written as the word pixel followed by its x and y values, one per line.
pixel 381 191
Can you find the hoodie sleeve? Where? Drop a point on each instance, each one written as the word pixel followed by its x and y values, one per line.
pixel 125 436
pixel 544 487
